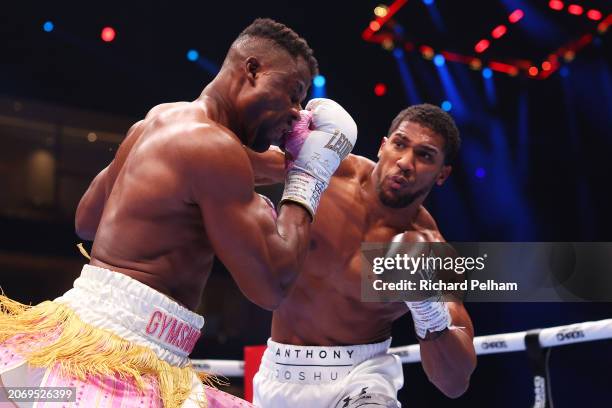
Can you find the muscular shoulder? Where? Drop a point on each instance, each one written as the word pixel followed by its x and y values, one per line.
pixel 354 166
pixel 215 160
pixel 158 111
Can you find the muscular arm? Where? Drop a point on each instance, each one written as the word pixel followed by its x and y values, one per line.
pixel 269 166
pixel 91 206
pixel 263 255
pixel 450 359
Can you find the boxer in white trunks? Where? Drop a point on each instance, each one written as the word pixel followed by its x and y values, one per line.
pixel 328 348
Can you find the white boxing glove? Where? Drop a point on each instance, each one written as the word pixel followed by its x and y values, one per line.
pixel 315 151
pixel 431 314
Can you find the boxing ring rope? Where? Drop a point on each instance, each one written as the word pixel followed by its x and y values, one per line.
pixel 491 344
pixel 537 343
pixel 226 368
pixel 510 342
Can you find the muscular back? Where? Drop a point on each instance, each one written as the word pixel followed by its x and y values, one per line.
pixel 150 229
pixel 325 306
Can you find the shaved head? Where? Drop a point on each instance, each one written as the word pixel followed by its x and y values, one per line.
pixel 265 50
pixel 266 37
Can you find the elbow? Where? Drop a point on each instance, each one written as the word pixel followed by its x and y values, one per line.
pixel 269 306
pixel 279 282
pixel 453 389
pixel 281 286
pixel 456 385
pixel 85 230
pixel 269 303
pixel 271 299
pixel 84 233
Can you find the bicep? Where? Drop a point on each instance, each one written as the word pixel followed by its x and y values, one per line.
pixel 237 229
pixel 233 213
pixel 243 235
pixel 239 225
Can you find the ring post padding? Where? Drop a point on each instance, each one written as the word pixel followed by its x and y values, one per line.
pixel 538 359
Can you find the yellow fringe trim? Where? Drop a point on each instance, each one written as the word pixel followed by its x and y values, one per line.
pixel 51 333
pixel 83 251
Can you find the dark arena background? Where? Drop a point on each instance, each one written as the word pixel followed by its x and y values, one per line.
pixel 528 82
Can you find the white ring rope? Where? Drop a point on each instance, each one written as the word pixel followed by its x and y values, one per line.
pixel 492 344
pixel 227 368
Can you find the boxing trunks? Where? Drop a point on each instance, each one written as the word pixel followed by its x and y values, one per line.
pixel 110 341
pixel 328 377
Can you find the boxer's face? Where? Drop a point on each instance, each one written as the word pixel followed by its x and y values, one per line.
pixel 274 102
pixel 411 161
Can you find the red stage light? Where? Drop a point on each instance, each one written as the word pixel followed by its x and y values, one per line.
pixel 533 71
pixel 374 26
pixel 575 9
pixel 427 51
pixel 380 89
pixel 604 25
pixel 505 68
pixel 594 15
pixel 546 66
pixel 482 45
pixel 555 5
pixel 108 34
pixel 499 31
pixel 515 16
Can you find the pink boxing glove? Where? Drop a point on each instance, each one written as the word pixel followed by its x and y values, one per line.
pixel 295 139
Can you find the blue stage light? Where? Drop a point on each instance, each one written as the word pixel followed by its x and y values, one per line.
pixel 48 26
pixel 487 73
pixel 193 55
pixel 480 172
pixel 428 2
pixel 439 60
pixel 319 81
pixel 446 105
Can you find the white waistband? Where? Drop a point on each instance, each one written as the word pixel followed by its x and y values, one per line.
pixel 136 312
pixel 316 364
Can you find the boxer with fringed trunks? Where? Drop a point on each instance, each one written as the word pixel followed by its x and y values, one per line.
pixel 179 192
